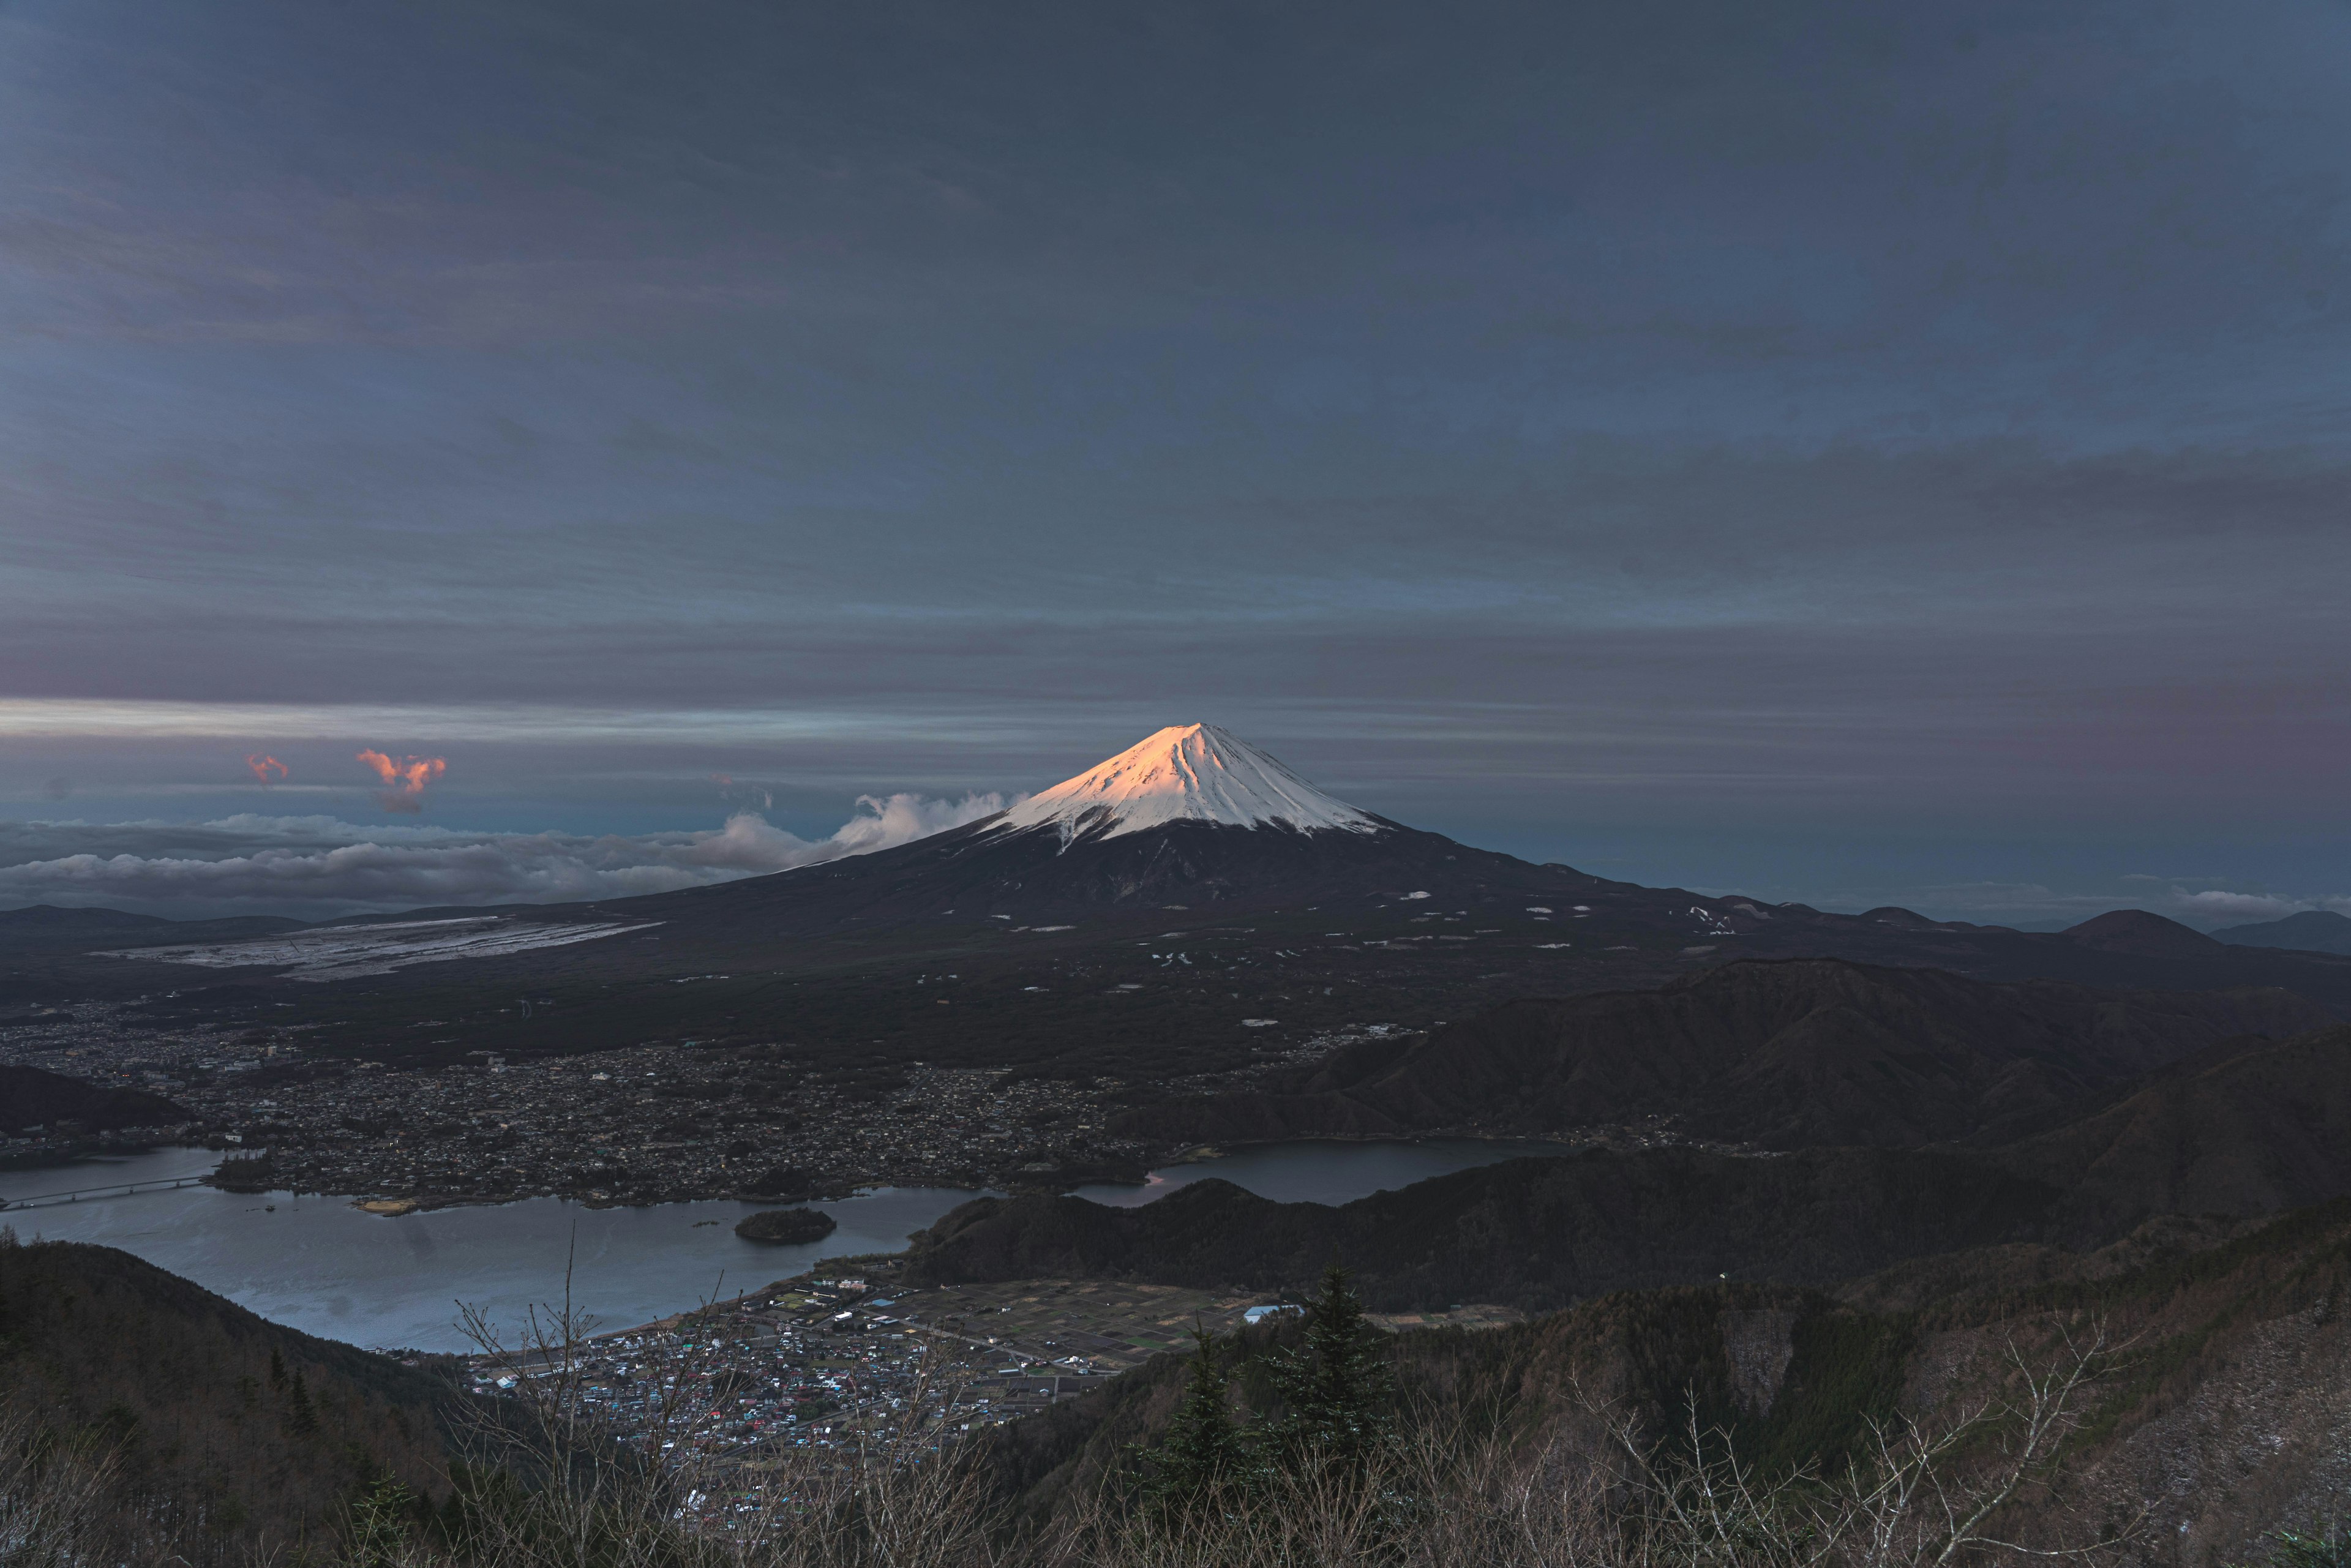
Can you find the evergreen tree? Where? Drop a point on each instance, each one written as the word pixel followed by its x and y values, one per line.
pixel 2329 1548
pixel 1207 1457
pixel 300 1417
pixel 1339 1392
pixel 379 1532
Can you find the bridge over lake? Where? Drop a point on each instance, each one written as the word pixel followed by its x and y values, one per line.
pixel 91 1194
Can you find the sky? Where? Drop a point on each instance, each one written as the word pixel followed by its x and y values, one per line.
pixel 1849 454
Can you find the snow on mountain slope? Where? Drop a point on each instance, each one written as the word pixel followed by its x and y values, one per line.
pixel 1193 773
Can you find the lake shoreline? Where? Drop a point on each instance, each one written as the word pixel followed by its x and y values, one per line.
pixel 321 1264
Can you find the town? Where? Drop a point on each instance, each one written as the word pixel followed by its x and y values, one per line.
pixel 836 1358
pixel 648 1124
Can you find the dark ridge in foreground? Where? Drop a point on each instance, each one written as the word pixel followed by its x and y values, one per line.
pixel 2229 1337
pixel 235 1431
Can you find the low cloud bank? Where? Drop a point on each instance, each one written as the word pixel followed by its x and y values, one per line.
pixel 321 866
pixel 2213 908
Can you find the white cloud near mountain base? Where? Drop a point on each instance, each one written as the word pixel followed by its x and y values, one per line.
pixel 322 866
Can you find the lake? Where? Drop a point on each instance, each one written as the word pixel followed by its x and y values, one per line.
pixel 1326 1171
pixel 321 1265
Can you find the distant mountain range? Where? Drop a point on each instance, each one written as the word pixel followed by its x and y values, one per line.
pixel 2312 931
pixel 1123 922
pixel 49 926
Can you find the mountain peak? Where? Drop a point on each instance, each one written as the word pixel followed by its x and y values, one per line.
pixel 1184 773
pixel 2142 931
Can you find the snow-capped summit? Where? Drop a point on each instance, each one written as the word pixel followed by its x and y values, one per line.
pixel 1190 772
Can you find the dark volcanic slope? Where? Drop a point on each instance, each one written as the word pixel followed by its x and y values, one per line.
pixel 1782 1054
pixel 2241 1133
pixel 32 1098
pixel 977 871
pixel 200 1396
pixel 1137 956
pixel 2312 931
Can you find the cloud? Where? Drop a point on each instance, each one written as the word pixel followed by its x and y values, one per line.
pixel 407 778
pixel 409 774
pixel 321 866
pixel 266 770
pixel 2215 905
pixel 1595 439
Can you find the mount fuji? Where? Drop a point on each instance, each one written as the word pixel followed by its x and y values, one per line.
pixel 1192 818
pixel 1184 773
pixel 1190 904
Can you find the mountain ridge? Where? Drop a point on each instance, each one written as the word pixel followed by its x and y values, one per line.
pixel 247 1433
pixel 2250 1129
pixel 2310 931
pixel 1779 1054
pixel 33 1097
pixel 1087 945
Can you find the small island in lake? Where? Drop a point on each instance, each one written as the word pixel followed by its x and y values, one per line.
pixel 786 1224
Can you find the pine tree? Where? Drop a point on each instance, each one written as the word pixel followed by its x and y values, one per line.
pixel 2329 1548
pixel 1206 1458
pixel 1337 1388
pixel 379 1531
pixel 300 1417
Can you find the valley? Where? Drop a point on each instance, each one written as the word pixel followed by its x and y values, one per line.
pixel 1718 1140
